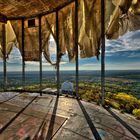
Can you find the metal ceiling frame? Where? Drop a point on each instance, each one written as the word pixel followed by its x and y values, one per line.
pixel 42 14
pixel 3 18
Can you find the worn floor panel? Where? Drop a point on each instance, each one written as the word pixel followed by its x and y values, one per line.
pixel 11 108
pixel 63 118
pixel 7 96
pixel 28 127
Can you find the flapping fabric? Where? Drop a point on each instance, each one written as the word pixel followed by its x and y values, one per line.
pixel 48 28
pixel 31 37
pixel 17 27
pixel 125 17
pixel 10 39
pixel 134 16
pixel 90 29
pixel 66 30
pixel 31 41
pixel 109 8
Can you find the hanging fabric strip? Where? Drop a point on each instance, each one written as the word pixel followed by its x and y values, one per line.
pixel 90 29
pixel 109 8
pixel 66 29
pixel 125 17
pixel 31 40
pixel 17 27
pixel 134 16
pixel 48 28
pixel 10 39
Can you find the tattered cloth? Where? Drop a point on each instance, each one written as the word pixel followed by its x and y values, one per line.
pixel 125 17
pixel 120 16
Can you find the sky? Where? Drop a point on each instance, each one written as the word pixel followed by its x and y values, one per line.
pixel 121 54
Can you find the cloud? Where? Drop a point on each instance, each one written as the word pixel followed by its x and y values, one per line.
pixel 134 55
pixel 112 66
pixel 127 43
pixel 1 60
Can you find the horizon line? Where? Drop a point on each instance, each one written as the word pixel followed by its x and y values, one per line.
pixel 75 70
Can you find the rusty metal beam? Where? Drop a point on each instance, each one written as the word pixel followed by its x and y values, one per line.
pixel 3 18
pixel 76 48
pixel 57 44
pixel 4 56
pixel 23 61
pixel 43 13
pixel 66 4
pixel 40 54
pixel 103 51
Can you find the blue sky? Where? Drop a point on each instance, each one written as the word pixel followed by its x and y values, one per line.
pixel 121 54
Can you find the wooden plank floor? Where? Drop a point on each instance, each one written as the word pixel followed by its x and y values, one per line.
pixel 28 116
pixel 20 120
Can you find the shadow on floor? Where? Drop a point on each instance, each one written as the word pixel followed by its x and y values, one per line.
pixel 52 121
pixel 130 129
pixel 16 116
pixel 89 121
pixel 40 135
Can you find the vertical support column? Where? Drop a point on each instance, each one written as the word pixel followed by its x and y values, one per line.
pixel 103 51
pixel 57 44
pixel 4 57
pixel 76 48
pixel 40 54
pixel 23 60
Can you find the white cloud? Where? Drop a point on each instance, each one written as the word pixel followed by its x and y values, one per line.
pixel 128 42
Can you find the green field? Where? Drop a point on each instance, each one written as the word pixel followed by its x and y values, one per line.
pixel 122 88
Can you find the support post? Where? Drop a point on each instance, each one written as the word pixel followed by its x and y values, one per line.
pixel 3 18
pixel 76 48
pixel 57 44
pixel 103 51
pixel 4 57
pixel 23 60
pixel 40 55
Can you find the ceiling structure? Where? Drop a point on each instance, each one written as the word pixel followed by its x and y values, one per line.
pixel 88 10
pixel 28 8
pixel 121 16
